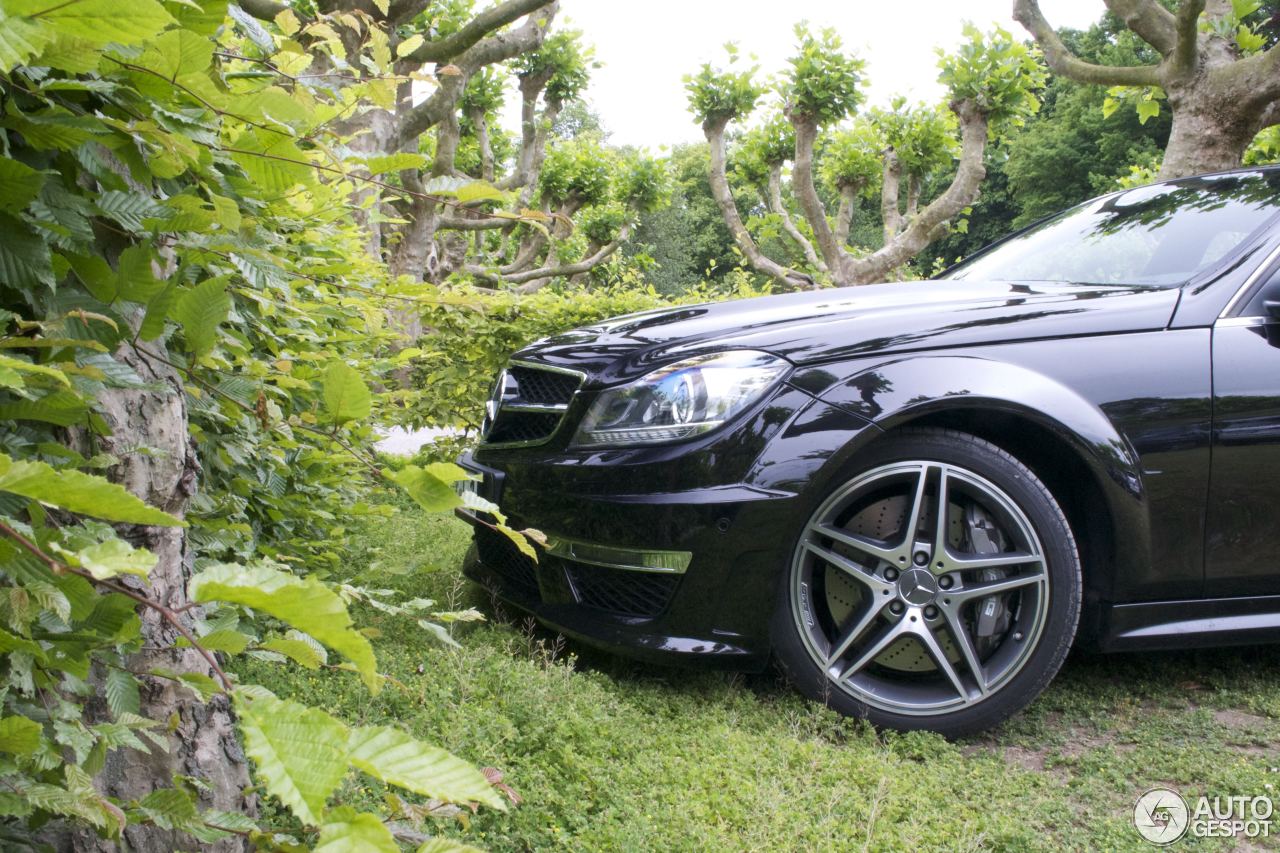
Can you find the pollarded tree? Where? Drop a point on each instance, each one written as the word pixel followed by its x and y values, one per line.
pixel 442 164
pixel 1218 71
pixel 991 80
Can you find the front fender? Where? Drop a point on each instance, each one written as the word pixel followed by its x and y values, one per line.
pixel 893 392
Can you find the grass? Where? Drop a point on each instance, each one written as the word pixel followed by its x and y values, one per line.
pixel 613 755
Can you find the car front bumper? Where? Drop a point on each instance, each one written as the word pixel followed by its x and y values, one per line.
pixel 730 506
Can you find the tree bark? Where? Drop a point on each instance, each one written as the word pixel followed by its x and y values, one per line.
pixel 788 224
pixel 204 745
pixel 802 182
pixel 890 186
pixel 1219 99
pixel 844 214
pixel 720 191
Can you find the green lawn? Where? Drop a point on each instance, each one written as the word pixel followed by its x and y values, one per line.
pixel 613 755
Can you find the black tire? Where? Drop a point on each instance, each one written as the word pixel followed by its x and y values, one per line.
pixel 1052 586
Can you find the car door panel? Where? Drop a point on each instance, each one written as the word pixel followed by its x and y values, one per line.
pixel 1242 552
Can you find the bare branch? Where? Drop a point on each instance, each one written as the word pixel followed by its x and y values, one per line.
pixel 1153 23
pixel 1186 54
pixel 452 223
pixel 536 279
pixel 802 182
pixel 774 200
pixel 932 221
pixel 496 48
pixel 720 191
pixel 474 30
pixel 889 188
pixel 1066 63
pixel 844 215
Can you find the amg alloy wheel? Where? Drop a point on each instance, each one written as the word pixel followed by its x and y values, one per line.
pixel 937 588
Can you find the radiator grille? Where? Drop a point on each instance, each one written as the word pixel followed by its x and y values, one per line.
pixel 528 404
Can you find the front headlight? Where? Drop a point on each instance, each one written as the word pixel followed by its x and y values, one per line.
pixel 680 400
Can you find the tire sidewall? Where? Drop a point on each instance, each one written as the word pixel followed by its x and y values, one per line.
pixel 1062 561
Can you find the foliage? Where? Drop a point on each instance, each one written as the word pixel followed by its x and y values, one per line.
pixel 685 242
pixel 564 60
pixel 995 72
pixel 718 95
pixel 853 157
pixel 922 137
pixel 584 171
pixel 172 210
pixel 770 143
pixel 822 84
pixel 455 365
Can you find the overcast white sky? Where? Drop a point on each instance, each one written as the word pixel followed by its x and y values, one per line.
pixel 648 47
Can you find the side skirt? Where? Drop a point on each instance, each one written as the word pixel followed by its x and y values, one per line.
pixel 1190 624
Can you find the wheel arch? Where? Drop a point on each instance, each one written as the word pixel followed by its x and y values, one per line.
pixel 1066 440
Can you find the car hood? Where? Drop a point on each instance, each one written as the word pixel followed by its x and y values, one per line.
pixel 832 324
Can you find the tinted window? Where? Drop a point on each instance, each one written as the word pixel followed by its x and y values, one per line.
pixel 1158 235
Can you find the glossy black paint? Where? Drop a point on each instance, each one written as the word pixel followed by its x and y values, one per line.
pixel 1153 413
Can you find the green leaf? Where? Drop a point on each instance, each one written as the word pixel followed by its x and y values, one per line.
pixel 479 191
pixel 297 650
pixel 395 163
pixel 175 53
pixel 346 397
pixel 426 488
pixel 225 640
pixel 307 605
pixel 19 183
pixel 157 312
pixel 200 310
pixel 410 44
pixel 19 736
pixel 98 21
pixel 25 262
pixel 21 366
pixel 62 408
pixel 109 559
pixel 127 208
pixel 20 39
pixel 300 752
pixel 273 162
pixel 439 632
pixel 96 274
pixel 345 831
pixel 80 493
pixel 1147 109
pixel 399 759
pixel 121 689
pixel 169 808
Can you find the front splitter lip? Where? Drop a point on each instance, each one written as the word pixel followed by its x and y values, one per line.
pixel 637 638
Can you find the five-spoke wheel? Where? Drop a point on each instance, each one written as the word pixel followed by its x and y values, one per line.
pixel 931 589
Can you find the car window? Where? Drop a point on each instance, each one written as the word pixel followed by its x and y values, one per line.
pixel 1157 235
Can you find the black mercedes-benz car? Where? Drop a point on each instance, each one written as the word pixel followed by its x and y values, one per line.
pixel 917 497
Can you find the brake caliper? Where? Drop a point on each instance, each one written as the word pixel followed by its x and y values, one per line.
pixel 985 538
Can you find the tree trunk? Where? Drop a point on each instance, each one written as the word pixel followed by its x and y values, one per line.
pixel 1206 136
pixel 204 744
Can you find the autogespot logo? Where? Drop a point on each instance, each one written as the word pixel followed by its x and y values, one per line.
pixel 1162 816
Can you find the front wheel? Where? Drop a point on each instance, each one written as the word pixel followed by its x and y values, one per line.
pixel 938 588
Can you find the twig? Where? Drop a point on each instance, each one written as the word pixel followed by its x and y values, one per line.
pixel 167 613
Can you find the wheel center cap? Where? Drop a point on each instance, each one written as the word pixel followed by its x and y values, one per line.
pixel 917 587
